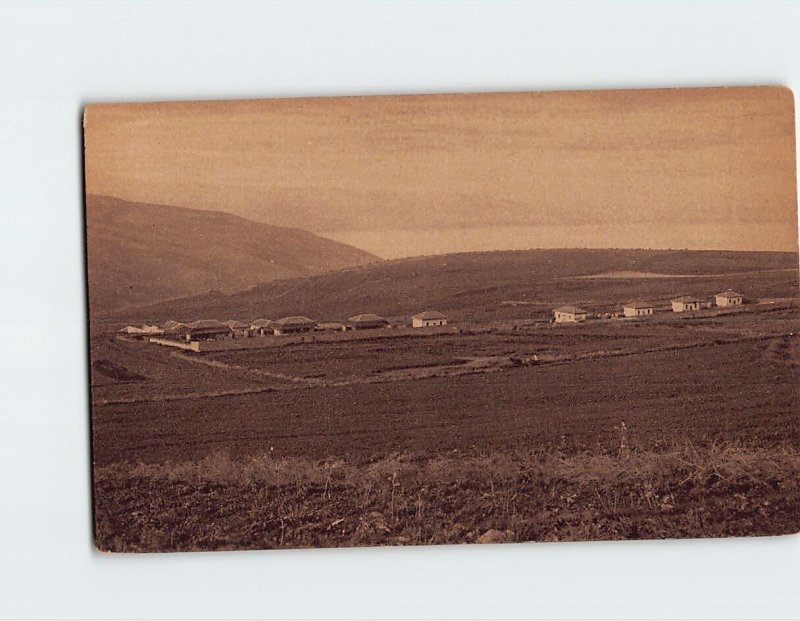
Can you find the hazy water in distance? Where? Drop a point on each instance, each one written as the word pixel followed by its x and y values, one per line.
pixel 396 243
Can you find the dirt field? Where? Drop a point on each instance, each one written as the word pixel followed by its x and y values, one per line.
pixel 650 390
pixel 739 390
pixel 525 495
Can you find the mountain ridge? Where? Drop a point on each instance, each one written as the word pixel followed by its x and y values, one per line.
pixel 139 253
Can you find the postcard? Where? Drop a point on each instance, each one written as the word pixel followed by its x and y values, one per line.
pixel 441 319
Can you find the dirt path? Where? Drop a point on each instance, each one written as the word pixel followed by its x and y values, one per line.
pixel 248 371
pixel 188 395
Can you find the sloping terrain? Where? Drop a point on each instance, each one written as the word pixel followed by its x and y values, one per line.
pixel 140 253
pixel 483 285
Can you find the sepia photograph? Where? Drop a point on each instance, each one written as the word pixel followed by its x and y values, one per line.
pixel 443 319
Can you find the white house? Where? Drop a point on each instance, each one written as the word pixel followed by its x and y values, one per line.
pixel 729 298
pixel 638 309
pixel 685 303
pixel 569 314
pixel 428 318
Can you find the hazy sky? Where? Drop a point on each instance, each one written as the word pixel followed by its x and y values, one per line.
pixel 697 168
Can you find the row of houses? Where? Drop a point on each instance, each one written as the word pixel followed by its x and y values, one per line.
pixel 572 314
pixel 210 329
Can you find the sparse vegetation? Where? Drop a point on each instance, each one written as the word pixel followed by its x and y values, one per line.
pixel 677 490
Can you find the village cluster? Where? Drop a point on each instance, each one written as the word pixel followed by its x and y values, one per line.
pixel 572 314
pixel 211 329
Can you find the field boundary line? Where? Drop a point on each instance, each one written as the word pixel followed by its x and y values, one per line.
pixel 464 370
pixel 188 396
pixel 261 372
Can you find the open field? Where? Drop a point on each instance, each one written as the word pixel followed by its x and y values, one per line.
pixel 136 370
pixel 675 425
pixel 738 390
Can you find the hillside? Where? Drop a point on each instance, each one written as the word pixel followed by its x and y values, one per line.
pixel 487 285
pixel 142 253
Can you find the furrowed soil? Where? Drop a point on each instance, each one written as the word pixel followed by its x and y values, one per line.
pixel 263 502
pixel 673 426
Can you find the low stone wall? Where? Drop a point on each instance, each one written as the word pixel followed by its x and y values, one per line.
pixel 257 342
pixel 253 342
pixel 189 345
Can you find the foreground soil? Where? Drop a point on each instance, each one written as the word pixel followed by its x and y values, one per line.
pixel 262 502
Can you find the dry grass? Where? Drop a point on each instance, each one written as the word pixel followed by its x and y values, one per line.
pixel 679 490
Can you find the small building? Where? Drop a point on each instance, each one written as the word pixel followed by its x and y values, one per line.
pixel 367 321
pixel 611 314
pixel 729 298
pixel 134 332
pixel 428 318
pixel 638 309
pixel 261 327
pixel 293 325
pixel 238 328
pixel 152 330
pixel 685 303
pixel 174 330
pixel 172 326
pixel 569 314
pixel 207 330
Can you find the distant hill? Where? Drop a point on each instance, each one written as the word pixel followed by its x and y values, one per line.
pixel 485 285
pixel 142 253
